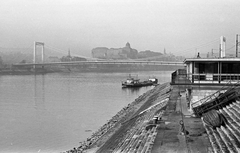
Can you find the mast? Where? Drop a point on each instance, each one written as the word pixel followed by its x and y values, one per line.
pixel 237 45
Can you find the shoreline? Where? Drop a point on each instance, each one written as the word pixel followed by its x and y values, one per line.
pixel 124 120
pixel 85 69
pixel 135 128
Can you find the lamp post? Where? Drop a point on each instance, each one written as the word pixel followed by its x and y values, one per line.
pixel 237 44
pixel 212 51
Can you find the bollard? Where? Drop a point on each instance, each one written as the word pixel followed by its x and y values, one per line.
pixel 155 119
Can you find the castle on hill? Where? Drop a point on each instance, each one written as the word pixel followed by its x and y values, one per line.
pixel 129 53
pixel 115 53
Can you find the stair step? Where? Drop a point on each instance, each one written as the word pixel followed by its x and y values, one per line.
pixel 226 141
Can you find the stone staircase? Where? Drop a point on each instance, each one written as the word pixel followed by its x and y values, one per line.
pixel 140 138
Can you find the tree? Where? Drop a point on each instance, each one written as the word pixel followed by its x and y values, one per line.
pixel 1 62
pixel 23 61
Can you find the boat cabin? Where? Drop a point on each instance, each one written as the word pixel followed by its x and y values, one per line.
pixel 132 81
pixel 213 70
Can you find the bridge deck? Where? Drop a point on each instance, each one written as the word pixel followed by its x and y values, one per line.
pixel 103 62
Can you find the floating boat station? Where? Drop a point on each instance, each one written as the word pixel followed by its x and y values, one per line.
pixel 198 112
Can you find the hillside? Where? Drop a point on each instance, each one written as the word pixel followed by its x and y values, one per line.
pixel 128 52
pixel 16 55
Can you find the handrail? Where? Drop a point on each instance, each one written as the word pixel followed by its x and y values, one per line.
pixel 207 98
pixel 213 76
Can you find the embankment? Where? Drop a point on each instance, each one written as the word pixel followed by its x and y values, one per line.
pixel 40 69
pixel 122 127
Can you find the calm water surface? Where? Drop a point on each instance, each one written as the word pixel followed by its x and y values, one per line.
pixel 54 112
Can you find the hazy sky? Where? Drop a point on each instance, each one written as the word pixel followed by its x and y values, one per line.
pixel 183 27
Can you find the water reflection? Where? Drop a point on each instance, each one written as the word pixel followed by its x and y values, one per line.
pixel 131 90
pixel 135 91
pixel 39 92
pixel 55 110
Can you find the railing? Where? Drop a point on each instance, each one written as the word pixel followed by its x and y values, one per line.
pixel 210 97
pixel 216 94
pixel 213 78
pixel 104 62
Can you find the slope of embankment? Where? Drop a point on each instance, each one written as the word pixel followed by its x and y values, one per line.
pixel 130 126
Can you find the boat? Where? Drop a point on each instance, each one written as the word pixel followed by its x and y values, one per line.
pixel 132 82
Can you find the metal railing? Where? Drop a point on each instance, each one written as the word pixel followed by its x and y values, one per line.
pixel 216 94
pixel 213 78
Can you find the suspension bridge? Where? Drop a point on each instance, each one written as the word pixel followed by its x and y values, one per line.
pixel 88 61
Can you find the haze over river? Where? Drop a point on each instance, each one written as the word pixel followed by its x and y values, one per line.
pixel 54 112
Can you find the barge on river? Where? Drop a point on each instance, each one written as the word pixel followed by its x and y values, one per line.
pixel 132 82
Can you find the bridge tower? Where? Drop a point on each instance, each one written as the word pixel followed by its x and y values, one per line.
pixel 34 52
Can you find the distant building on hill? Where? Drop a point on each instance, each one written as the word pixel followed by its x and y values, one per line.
pixel 70 58
pixel 148 53
pixel 129 53
pixel 53 59
pixel 115 53
pixel 99 52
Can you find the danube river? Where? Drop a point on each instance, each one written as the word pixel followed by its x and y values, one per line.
pixel 54 112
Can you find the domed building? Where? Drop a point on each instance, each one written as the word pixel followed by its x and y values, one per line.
pixel 131 53
pixel 115 53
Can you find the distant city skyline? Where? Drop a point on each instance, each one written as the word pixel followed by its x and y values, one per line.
pixel 180 27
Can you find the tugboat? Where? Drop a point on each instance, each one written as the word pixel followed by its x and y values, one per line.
pixel 132 82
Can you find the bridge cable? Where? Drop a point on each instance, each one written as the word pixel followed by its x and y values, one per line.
pixel 185 50
pixel 197 47
pixel 61 51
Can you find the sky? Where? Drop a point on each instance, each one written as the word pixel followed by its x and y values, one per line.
pixel 182 27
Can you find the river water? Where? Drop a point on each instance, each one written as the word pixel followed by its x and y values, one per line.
pixel 54 112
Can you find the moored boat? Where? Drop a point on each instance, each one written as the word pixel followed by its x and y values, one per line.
pixel 132 82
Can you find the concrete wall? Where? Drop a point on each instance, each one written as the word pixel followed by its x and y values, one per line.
pixel 196 95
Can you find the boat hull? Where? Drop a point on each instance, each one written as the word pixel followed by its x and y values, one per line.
pixel 137 85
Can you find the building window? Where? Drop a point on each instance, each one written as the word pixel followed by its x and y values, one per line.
pixel 204 68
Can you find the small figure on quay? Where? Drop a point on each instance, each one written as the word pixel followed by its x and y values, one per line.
pixel 182 131
pixel 198 56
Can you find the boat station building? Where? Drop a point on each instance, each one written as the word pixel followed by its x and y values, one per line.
pixel 206 77
pixel 212 90
pixel 215 71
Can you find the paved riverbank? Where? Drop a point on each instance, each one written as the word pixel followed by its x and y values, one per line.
pixel 133 130
pixel 122 121
pixel 173 137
